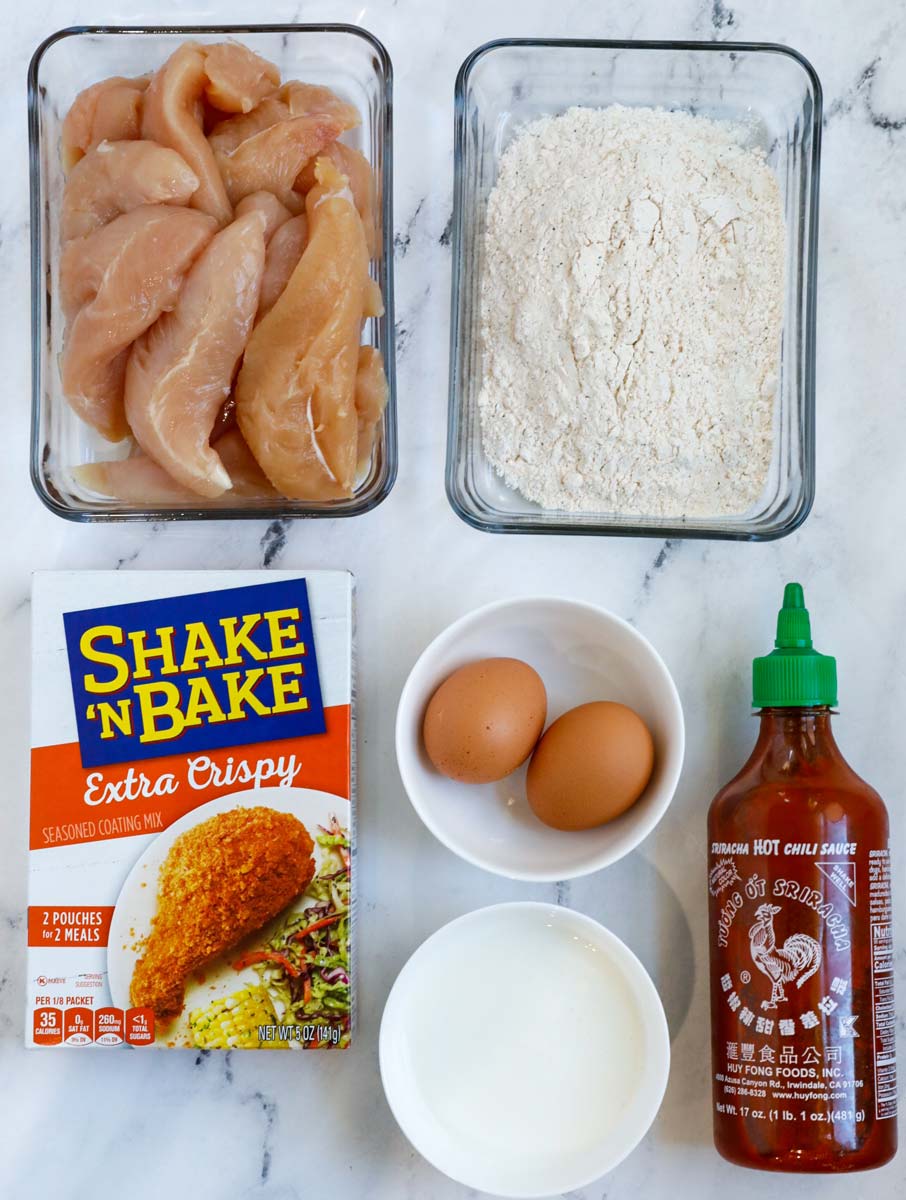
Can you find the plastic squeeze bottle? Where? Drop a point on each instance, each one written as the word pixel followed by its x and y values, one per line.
pixel 802 1014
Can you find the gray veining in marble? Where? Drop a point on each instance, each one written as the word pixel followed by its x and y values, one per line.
pixel 270 1126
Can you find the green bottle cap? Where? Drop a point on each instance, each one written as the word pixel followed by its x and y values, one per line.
pixel 794 674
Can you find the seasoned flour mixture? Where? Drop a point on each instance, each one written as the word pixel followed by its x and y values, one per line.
pixel 631 302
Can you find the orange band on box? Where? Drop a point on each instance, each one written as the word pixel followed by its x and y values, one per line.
pixel 61 816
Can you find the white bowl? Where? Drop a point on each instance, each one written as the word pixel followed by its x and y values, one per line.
pixel 582 653
pixel 524 1050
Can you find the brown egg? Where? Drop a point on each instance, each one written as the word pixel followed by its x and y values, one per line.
pixel 591 765
pixel 484 720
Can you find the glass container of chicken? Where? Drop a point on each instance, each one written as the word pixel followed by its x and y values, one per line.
pixel 212 274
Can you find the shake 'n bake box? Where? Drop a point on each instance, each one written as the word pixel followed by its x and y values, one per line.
pixel 191 810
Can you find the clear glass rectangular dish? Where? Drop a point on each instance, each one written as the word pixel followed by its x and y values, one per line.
pixel 345 58
pixel 770 88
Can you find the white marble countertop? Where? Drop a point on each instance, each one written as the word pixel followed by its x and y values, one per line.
pixel 238 1127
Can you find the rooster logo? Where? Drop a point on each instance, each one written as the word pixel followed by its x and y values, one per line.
pixel 795 961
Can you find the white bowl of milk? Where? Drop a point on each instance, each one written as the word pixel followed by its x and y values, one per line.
pixel 524 1050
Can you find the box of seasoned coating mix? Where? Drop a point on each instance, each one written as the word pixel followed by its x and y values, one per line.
pixel 191 829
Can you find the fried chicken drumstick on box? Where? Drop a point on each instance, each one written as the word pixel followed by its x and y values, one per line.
pixel 220 882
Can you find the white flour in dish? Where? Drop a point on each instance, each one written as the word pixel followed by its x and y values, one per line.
pixel 631 305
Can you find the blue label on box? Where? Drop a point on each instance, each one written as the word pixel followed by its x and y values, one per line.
pixel 190 673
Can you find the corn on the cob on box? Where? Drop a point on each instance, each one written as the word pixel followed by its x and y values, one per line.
pixel 191 832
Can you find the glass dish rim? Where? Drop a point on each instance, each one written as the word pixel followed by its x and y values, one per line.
pixel 553 524
pixel 265 512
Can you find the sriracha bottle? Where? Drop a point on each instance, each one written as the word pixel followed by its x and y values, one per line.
pixel 802 1013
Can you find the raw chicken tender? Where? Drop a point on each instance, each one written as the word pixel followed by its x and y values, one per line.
pixel 374 300
pixel 173 117
pixel 302 99
pixel 109 111
pixel 295 395
pixel 283 253
pixel 272 159
pixel 139 480
pixel 134 288
pixel 246 477
pixel 84 261
pixel 99 398
pixel 275 214
pixel 294 99
pixel 116 177
pixel 371 393
pixel 180 371
pixel 238 78
pixel 268 147
pixel 229 133
pixel 357 169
